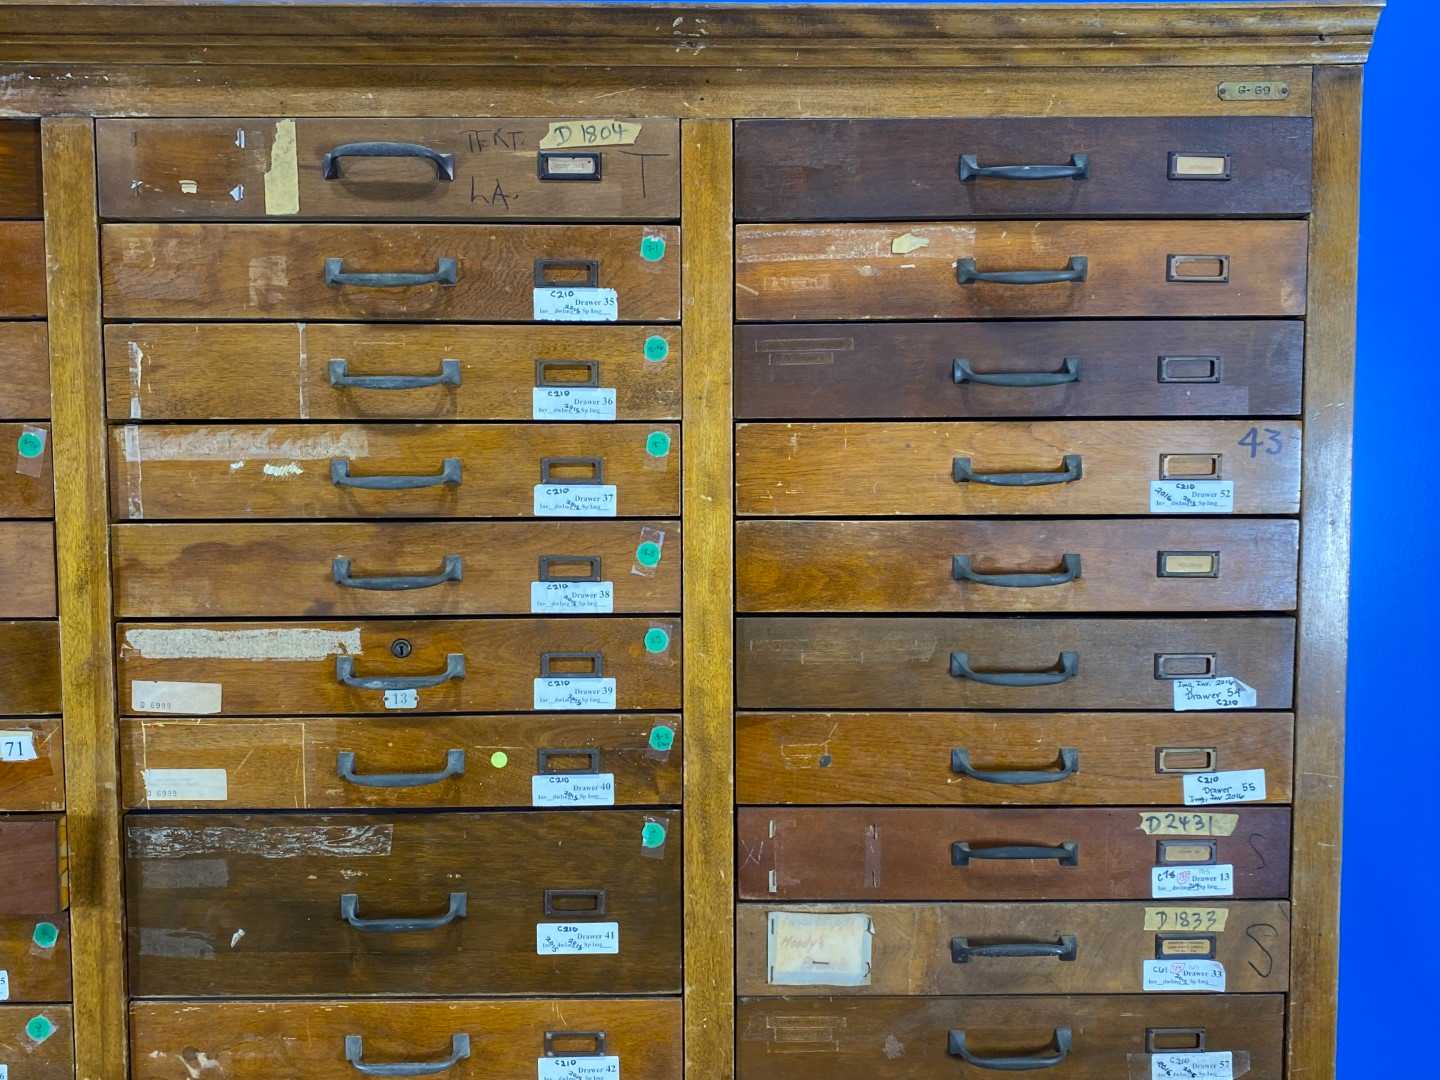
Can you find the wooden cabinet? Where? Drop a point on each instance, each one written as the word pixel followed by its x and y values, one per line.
pixel 25 367
pixel 22 272
pixel 32 874
pixel 29 667
pixel 35 956
pixel 37 1041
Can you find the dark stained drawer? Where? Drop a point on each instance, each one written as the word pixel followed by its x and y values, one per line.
pixel 22 269
pixel 37 1041
pixel 29 667
pixel 27 569
pixel 27 485
pixel 979 369
pixel 24 371
pixel 838 853
pixel 33 775
pixel 839 170
pixel 979 759
pixel 966 663
pixel 496 884
pixel 32 873
pixel 35 955
pixel 20 181
pixel 463 169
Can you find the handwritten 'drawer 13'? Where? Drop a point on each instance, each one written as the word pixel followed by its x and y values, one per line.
pixel 1217 880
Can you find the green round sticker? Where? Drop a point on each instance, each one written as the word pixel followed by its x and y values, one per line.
pixel 30 444
pixel 46 935
pixel 657 443
pixel 652 835
pixel 662 737
pixel 657 639
pixel 652 248
pixel 499 759
pixel 39 1028
pixel 656 348
pixel 648 553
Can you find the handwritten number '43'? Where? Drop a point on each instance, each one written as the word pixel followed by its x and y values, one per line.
pixel 1267 439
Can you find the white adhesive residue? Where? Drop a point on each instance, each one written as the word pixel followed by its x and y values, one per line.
pixel 282 179
pixel 269 643
pixel 235 444
pixel 908 242
pixel 290 468
pixel 235 937
pixel 134 503
pixel 186 785
pixel 304 373
pixel 137 368
pixel 189 187
pixel 274 842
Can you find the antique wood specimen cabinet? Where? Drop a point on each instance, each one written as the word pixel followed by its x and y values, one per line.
pixel 676 541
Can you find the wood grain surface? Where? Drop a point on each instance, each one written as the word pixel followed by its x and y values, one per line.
pixel 27 569
pixel 20 185
pixel 22 270
pixel 37 784
pixel 30 667
pixel 35 951
pixel 49 1057
pixel 27 484
pixel 32 872
pixel 25 368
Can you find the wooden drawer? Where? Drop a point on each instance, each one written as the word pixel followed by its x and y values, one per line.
pixel 279 271
pixel 913 270
pixel 476 665
pixel 25 371
pixel 289 371
pixel 909 469
pixel 37 1042
pixel 35 955
pixel 307 1040
pixel 32 874
pixel 32 783
pixel 909 1039
pixel 238 569
pixel 925 949
pixel 22 269
pixel 20 186
pixel 475 168
pixel 1082 759
pixel 838 853
pixel 29 668
pixel 31 493
pixel 1204 564
pixel 980 369
pixel 879 663
pixel 841 170
pixel 297 764
pixel 303 470
pixel 194 881
pixel 27 569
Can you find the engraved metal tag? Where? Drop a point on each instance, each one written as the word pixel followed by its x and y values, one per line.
pixel 1189 564
pixel 1254 91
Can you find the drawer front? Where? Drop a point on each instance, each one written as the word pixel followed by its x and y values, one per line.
pixel 466 169
pixel 27 485
pixel 300 470
pixel 1085 468
pixel 913 270
pixel 1076 759
pixel 279 271
pixel 35 956
pixel 20 188
pixel 323 371
pixel 282 878
pixel 470 568
pixel 29 667
pixel 32 874
pixel 1060 368
pixel 910 1039
pixel 468 665
pixel 22 270
pixel 37 1042
pixel 24 369
pixel 380 762
pixel 27 570
pixel 1203 564
pixel 925 949
pixel 837 853
pixel 306 1041
pixel 33 775
pixel 960 663
pixel 839 170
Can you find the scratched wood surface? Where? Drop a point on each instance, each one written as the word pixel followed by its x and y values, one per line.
pixel 25 368
pixel 39 783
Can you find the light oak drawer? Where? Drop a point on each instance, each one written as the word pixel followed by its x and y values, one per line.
pixel 914 270
pixel 194 881
pixel 22 269
pixel 979 759
pixel 37 1042
pixel 821 371
pixel 24 371
pixel 32 873
pixel 281 271
pixel 927 949
pixel 901 1038
pixel 27 486
pixel 251 1040
pixel 470 568
pixel 838 853
pixel 323 371
pixel 26 782
pixel 457 470
pixel 27 569
pixel 465 169
pixel 1004 663
pixel 397 761
pixel 452 665
pixel 910 469
pixel 29 667
pixel 35 955
pixel 20 186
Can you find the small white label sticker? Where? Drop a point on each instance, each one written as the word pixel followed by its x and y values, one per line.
pixel 572 789
pixel 4 989
pixel 572 597
pixel 577 939
pixel 402 699
pixel 1208 1065
pixel 573 403
pixel 186 785
pixel 575 500
pixel 17 746
pixel 606 1067
pixel 1191 975
pixel 1238 785
pixel 577 692
pixel 1192 496
pixel 1225 692
pixel 576 305
pixel 200 698
pixel 4 1072
pixel 1168 881
pixel 806 949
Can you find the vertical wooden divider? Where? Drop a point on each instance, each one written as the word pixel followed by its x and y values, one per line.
pixel 707 464
pixel 82 542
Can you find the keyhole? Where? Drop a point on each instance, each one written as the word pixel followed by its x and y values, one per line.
pixel 401 648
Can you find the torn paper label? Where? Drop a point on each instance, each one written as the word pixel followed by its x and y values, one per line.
pixel 186 785
pixel 282 179
pixel 817 949
pixel 269 643
pixel 905 243
pixel 1226 692
pixel 198 698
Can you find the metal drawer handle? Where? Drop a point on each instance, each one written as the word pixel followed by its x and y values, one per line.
pixel 345 672
pixel 962 952
pixel 449 474
pixel 1072 468
pixel 1066 854
pixel 345 769
pixel 340 377
pixel 444 163
pixel 355 1055
pixel 967 274
pixel 1065 669
pixel 957 1048
pixel 452 569
pixel 350 912
pixel 1078 169
pixel 445 273
pixel 962 372
pixel 961 569
pixel 1069 766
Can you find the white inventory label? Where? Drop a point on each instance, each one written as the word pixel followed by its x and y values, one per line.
pixel 200 698
pixel 1207 1065
pixel 1192 496
pixel 4 1072
pixel 1189 975
pixel 4 989
pixel 572 597
pixel 577 939
pixel 819 949
pixel 575 500
pixel 576 305
pixel 1226 692
pixel 572 403
pixel 1168 881
pixel 574 692
pixel 17 746
pixel 186 785
pixel 1238 785
pixel 604 1067
pixel 572 789
pixel 402 699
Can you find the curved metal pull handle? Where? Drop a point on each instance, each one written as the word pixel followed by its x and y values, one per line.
pixel 340 377
pixel 962 952
pixel 1066 668
pixel 345 672
pixel 967 274
pixel 355 1055
pixel 956 1048
pixel 1072 468
pixel 444 163
pixel 1069 766
pixel 962 372
pixel 1078 169
pixel 345 769
pixel 961 569
pixel 1066 854
pixel 350 912
pixel 445 273
pixel 340 476
pixel 452 569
